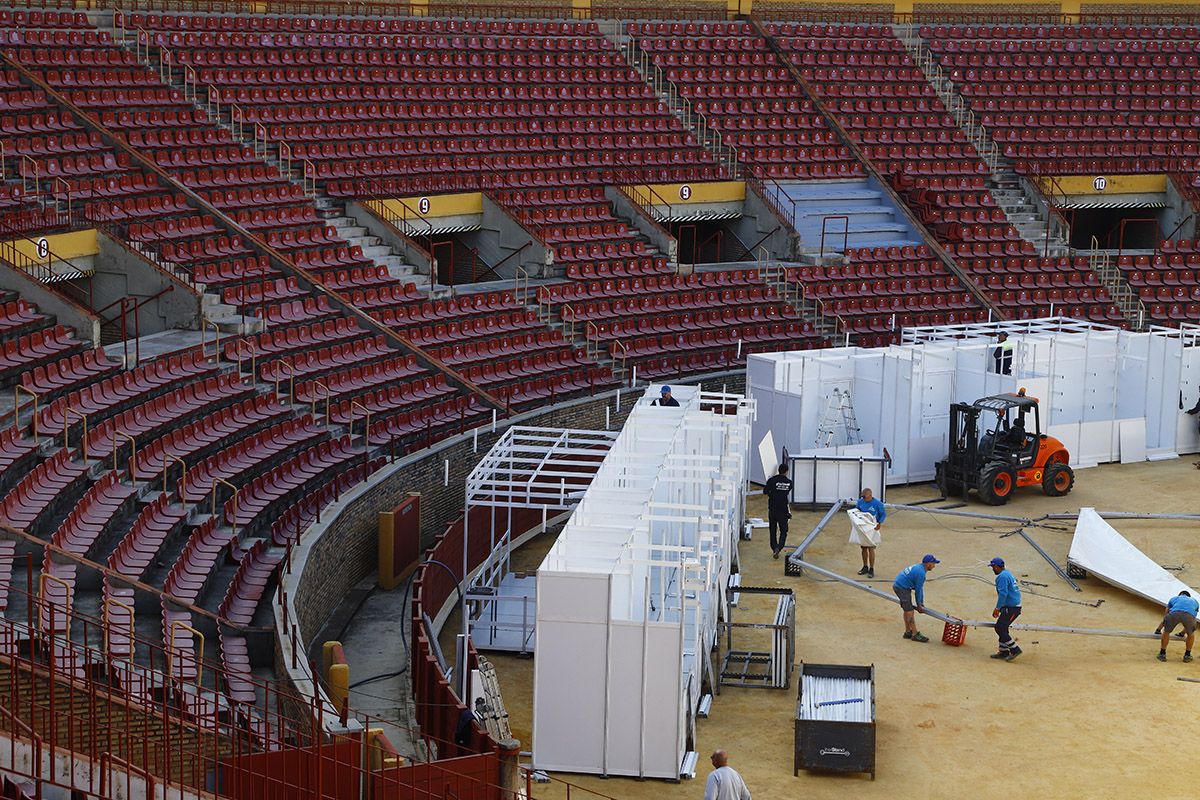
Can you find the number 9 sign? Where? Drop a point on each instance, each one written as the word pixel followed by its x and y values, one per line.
pixel 685 192
pixel 423 205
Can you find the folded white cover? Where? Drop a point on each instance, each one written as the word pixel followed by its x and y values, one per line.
pixel 1105 553
pixel 862 528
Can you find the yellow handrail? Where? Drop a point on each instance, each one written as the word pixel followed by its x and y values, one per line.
pixel 46 576
pixel 132 452
pixel 167 458
pixel 17 406
pixel 367 411
pixel 66 431
pixel 291 371
pixel 112 601
pixel 235 501
pixel 176 625
pixel 325 389
pixel 237 349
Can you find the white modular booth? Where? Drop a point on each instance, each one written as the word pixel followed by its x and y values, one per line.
pixel 1108 394
pixel 629 597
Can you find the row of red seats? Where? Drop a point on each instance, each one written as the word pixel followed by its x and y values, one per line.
pixel 31 500
pixel 202 435
pixel 299 57
pixel 358 379
pixel 491 349
pixel 37 348
pixel 1093 34
pixel 263 491
pixel 351 24
pixel 257 452
pixel 165 412
pixel 524 367
pixel 410 395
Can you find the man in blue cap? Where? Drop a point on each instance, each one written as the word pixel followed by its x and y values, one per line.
pixel 1181 610
pixel 665 399
pixel 1008 608
pixel 912 580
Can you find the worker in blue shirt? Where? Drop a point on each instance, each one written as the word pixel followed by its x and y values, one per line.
pixel 1181 610
pixel 869 505
pixel 1008 608
pixel 911 580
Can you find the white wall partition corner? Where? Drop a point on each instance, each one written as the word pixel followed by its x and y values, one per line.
pixel 1097 384
pixel 628 598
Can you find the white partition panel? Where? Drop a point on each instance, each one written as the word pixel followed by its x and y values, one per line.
pixel 657 529
pixel 1091 378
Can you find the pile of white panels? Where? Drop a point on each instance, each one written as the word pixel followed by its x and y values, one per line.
pixel 628 598
pixel 835 699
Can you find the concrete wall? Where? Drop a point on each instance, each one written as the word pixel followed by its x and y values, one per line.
pixel 500 235
pixel 1178 210
pixel 120 272
pixel 632 213
pixel 48 301
pixel 757 221
pixel 413 252
pixel 338 552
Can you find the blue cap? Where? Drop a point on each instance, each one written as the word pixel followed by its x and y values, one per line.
pixel 929 559
pixel 996 562
pixel 665 390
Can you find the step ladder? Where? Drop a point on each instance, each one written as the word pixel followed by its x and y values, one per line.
pixel 495 717
pixel 838 411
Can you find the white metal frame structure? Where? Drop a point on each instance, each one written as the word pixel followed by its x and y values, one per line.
pixel 545 469
pixel 629 597
pixel 1107 393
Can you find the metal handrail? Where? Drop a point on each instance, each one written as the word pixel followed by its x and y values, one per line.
pixel 112 601
pixel 175 626
pixel 167 458
pixel 117 435
pixel 46 576
pixel 325 389
pixel 845 231
pixel 237 351
pixel 521 287
pixel 367 431
pixel 68 410
pixel 216 481
pixel 17 389
pixel 291 371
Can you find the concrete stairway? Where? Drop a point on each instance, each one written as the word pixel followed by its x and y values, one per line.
pixel 852 212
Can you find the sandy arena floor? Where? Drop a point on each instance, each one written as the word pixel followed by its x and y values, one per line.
pixel 1074 717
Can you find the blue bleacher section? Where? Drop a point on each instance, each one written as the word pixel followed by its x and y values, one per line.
pixel 873 221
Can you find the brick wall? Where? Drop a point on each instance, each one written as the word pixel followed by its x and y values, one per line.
pixel 337 553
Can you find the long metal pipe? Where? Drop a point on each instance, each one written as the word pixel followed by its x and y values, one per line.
pixel 1123 515
pixel 798 553
pixel 1062 573
pixel 976 623
pixel 953 513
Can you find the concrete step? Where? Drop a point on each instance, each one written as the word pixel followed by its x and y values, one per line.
pixel 238 324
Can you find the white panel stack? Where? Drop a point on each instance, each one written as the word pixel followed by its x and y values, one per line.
pixel 1093 381
pixel 629 595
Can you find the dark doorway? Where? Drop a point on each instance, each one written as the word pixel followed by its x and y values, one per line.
pixel 708 242
pixel 1115 228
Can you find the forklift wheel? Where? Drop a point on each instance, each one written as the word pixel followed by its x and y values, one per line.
pixel 1057 479
pixel 996 483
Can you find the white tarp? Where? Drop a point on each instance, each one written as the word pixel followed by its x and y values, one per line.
pixel 1105 553
pixel 862 528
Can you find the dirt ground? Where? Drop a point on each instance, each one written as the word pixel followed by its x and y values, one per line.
pixel 1074 717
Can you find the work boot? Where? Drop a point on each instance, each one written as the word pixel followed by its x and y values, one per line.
pixel 920 637
pixel 1187 657
pixel 871 573
pixel 1162 655
pixel 774 554
pixel 1001 654
pixel 863 571
pixel 1012 654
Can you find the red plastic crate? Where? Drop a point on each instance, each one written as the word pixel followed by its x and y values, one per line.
pixel 954 634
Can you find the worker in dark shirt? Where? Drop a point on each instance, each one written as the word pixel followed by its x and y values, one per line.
pixel 779 510
pixel 1003 355
pixel 665 399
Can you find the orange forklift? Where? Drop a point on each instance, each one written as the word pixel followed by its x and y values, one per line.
pixel 993 450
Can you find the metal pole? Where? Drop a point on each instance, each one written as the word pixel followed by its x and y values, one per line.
pixel 951 512
pixel 798 553
pixel 1061 572
pixel 977 623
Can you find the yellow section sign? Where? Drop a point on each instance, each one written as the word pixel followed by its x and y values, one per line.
pixel 1109 184
pixel 683 193
pixel 437 205
pixel 40 249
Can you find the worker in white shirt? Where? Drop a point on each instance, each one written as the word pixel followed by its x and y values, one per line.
pixel 724 782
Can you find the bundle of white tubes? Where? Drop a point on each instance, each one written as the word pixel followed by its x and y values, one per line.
pixel 835 699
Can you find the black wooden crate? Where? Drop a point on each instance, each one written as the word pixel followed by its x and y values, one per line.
pixel 835 746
